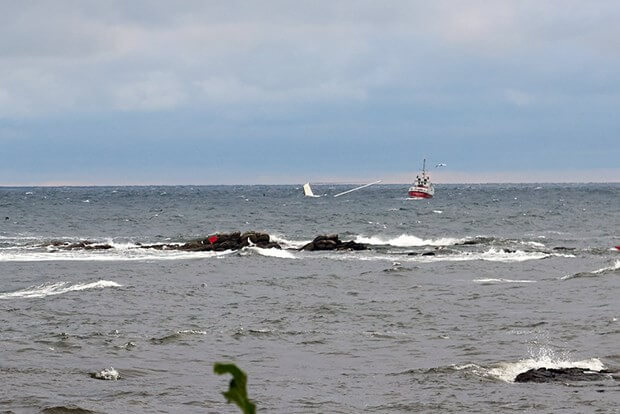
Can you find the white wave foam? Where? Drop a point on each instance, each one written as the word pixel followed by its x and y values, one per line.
pixel 406 240
pixel 491 255
pixel 289 244
pixel 544 358
pixel 192 332
pixel 494 255
pixel 508 371
pixel 121 254
pixel 49 289
pixel 532 243
pixel 493 281
pixel 279 253
pixel 109 374
pixel 615 266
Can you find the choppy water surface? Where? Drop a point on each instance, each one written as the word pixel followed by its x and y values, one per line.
pixel 456 296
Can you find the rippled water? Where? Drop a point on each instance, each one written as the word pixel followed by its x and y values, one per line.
pixel 455 297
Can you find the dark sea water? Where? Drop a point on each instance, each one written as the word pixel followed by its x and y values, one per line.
pixel 521 277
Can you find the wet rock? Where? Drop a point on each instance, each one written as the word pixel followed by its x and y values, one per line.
pixel 562 375
pixel 332 242
pixel 64 409
pixel 80 245
pixel 467 243
pixel 219 242
pixel 109 374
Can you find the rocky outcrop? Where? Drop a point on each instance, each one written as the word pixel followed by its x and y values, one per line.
pixel 80 245
pixel 220 242
pixel 562 375
pixel 332 242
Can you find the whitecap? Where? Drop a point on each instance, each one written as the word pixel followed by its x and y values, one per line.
pixel 508 371
pixel 191 332
pixel 541 358
pixel 493 281
pixel 122 253
pixel 50 289
pixel 491 255
pixel 532 243
pixel 109 374
pixel 288 244
pixel 615 266
pixel 612 268
pixel 406 240
pixel 279 253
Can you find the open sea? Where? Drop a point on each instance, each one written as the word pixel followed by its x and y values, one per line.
pixel 455 297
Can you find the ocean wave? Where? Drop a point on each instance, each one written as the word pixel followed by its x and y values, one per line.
pixel 129 254
pixel 50 289
pixel 546 358
pixel 491 255
pixel 279 253
pixel 177 335
pixel 108 374
pixel 508 371
pixel 598 272
pixel 532 243
pixel 494 281
pixel 406 240
pixel 289 244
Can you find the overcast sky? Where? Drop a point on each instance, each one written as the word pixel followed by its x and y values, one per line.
pixel 221 92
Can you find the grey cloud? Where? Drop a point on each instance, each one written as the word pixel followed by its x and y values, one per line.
pixel 73 56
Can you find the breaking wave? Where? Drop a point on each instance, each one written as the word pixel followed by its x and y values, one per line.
pixel 289 244
pixel 50 289
pixel 406 240
pixel 491 255
pixel 494 281
pixel 127 253
pixel 546 358
pixel 279 253
pixel 602 271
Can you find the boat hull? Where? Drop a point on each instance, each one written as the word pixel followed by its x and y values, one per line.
pixel 419 194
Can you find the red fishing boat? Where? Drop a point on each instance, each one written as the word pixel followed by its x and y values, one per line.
pixel 422 186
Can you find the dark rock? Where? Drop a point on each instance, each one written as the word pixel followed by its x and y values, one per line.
pixel 332 242
pixel 308 247
pixel 562 375
pixel 467 243
pixel 353 245
pixel 64 409
pixel 564 248
pixel 270 245
pixel 325 244
pixel 428 254
pixel 80 245
pixel 220 242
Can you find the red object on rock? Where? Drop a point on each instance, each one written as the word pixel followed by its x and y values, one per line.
pixel 618 247
pixel 212 239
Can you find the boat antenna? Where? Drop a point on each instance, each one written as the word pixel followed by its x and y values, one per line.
pixel 424 166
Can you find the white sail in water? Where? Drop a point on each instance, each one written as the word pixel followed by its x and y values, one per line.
pixel 308 191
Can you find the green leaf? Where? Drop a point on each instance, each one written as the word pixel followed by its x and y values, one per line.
pixel 237 388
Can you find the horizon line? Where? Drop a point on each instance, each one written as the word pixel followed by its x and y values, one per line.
pixel 81 185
